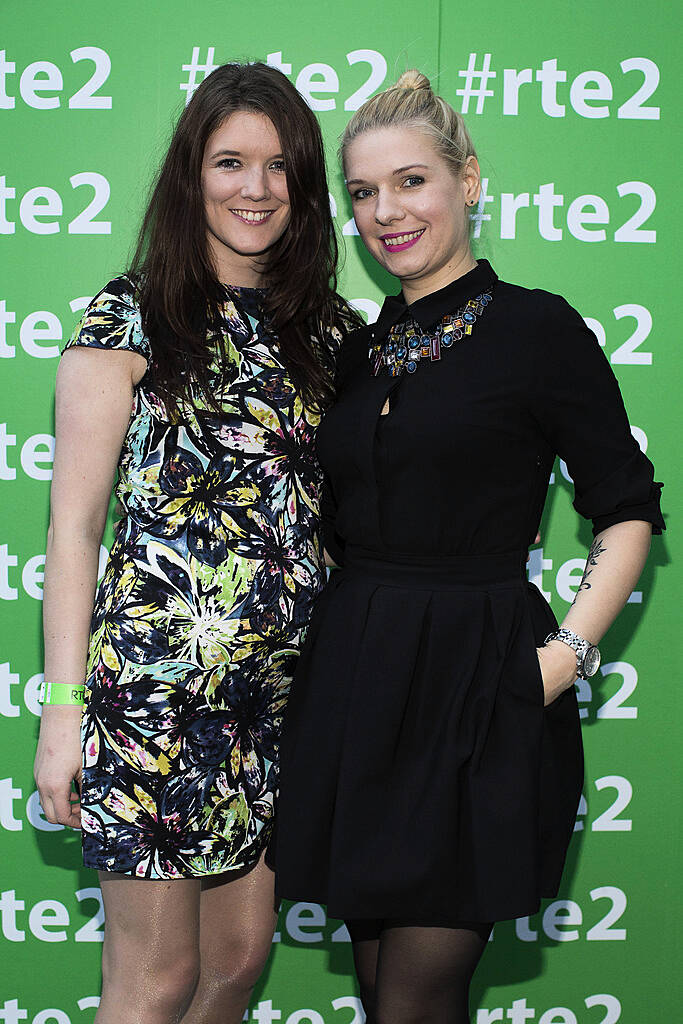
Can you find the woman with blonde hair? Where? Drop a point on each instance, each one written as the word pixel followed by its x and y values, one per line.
pixel 432 759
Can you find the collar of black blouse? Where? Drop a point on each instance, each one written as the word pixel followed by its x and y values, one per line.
pixel 429 310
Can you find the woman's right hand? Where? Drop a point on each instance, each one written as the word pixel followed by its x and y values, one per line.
pixel 58 764
pixel 558 669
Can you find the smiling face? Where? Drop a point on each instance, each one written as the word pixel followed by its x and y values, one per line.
pixel 246 202
pixel 410 208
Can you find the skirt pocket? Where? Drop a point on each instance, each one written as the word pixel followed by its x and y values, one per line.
pixel 535 672
pixel 535 633
pixel 542 621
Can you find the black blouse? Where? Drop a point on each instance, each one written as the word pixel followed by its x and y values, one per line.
pixel 461 463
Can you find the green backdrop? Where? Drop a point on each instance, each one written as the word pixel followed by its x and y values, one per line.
pixel 574 111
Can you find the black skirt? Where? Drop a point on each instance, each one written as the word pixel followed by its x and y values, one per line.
pixel 421 777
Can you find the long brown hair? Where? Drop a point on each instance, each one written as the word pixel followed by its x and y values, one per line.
pixel 179 292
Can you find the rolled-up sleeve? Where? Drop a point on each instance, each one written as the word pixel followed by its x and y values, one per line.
pixel 581 413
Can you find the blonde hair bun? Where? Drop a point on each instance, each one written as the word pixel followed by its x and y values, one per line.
pixel 412 103
pixel 413 79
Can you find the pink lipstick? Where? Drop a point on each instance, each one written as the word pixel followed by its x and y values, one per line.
pixel 399 241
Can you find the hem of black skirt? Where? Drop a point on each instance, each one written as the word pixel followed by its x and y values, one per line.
pixel 397 912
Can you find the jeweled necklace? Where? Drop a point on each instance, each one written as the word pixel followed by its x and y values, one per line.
pixel 406 343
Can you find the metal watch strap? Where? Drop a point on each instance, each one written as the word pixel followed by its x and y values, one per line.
pixel 573 640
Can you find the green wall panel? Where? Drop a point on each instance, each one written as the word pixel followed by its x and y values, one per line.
pixel 574 111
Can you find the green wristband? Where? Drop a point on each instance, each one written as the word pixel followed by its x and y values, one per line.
pixel 61 693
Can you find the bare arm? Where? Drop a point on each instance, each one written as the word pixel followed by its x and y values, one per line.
pixel 615 562
pixel 92 410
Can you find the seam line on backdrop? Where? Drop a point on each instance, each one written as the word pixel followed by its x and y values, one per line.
pixel 439 8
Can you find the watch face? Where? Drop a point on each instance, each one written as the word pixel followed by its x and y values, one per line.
pixel 591 662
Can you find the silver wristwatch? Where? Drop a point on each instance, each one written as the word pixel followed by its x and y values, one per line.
pixel 587 655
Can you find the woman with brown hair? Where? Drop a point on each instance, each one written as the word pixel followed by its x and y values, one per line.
pixel 198 377
pixel 431 762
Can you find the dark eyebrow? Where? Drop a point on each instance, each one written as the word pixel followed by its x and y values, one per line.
pixel 399 170
pixel 236 152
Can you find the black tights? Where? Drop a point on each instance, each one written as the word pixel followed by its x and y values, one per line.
pixel 410 974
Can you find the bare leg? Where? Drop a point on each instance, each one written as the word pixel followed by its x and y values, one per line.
pixel 236 933
pixel 150 958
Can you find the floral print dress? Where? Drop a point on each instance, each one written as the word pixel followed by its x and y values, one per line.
pixel 202 609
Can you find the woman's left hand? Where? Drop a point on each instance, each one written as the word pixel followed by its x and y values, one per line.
pixel 558 669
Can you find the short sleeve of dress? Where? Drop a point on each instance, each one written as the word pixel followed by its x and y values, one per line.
pixel 112 321
pixel 582 415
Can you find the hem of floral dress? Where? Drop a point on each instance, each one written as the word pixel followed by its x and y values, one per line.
pixel 236 871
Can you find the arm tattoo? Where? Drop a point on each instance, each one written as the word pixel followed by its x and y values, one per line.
pixel 596 549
